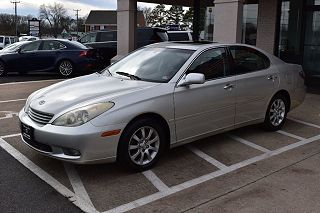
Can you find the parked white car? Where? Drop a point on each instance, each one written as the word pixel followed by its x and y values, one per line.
pixel 160 96
pixel 28 38
pixel 6 40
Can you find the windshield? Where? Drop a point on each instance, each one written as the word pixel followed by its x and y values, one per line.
pixel 151 64
pixel 13 47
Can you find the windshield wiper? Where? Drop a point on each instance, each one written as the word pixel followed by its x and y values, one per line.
pixel 134 77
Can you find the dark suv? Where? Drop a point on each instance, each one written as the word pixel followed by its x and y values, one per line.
pixel 105 42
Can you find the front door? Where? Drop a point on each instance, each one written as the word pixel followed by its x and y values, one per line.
pixel 205 108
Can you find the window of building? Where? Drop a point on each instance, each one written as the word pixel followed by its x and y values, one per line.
pixel 247 60
pixel 211 63
pixel 250 22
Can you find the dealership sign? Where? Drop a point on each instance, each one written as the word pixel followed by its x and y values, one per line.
pixel 34 27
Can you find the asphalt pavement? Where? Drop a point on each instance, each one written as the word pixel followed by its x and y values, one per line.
pixel 245 170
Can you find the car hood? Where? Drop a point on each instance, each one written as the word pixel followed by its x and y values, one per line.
pixel 84 90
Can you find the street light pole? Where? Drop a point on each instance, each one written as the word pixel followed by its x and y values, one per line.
pixel 15 15
pixel 77 14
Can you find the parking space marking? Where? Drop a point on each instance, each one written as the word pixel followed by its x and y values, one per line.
pixel 151 198
pixel 8 114
pixel 9 101
pixel 27 82
pixel 248 143
pixel 206 157
pixel 305 123
pixel 155 180
pixel 291 135
pixel 76 183
pixel 10 136
pixel 76 200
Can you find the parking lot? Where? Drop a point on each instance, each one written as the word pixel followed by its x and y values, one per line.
pixel 246 170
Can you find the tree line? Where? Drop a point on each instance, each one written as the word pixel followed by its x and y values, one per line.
pixel 54 18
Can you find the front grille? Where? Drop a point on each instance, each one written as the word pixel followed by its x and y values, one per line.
pixel 39 117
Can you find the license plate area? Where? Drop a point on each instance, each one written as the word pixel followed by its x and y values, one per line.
pixel 27 132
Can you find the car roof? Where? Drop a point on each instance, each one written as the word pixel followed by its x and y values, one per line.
pixel 189 45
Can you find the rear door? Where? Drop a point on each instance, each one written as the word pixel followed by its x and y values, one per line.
pixel 256 81
pixel 48 54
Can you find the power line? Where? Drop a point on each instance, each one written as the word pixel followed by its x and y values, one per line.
pixel 15 14
pixel 77 14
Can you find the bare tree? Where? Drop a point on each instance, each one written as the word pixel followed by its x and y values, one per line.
pixel 147 12
pixel 55 15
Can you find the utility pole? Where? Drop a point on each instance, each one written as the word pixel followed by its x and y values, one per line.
pixel 15 14
pixel 77 14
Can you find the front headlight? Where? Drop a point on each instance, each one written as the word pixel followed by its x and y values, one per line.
pixel 82 115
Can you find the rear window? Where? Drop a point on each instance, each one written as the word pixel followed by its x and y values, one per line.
pixel 108 36
pixel 178 37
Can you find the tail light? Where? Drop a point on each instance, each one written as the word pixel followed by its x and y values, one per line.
pixel 86 53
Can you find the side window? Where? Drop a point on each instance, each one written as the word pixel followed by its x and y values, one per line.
pixel 248 60
pixel 89 38
pixel 107 36
pixel 33 46
pixel 1 40
pixel 6 41
pixel 52 45
pixel 211 63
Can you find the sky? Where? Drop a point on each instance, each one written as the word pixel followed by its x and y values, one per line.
pixel 26 7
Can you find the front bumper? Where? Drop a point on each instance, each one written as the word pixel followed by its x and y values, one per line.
pixel 53 141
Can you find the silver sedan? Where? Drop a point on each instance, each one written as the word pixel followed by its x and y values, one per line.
pixel 160 96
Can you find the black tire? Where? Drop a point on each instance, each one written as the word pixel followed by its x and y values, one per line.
pixel 65 68
pixel 125 154
pixel 3 71
pixel 276 114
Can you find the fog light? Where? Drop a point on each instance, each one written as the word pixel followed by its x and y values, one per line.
pixel 71 152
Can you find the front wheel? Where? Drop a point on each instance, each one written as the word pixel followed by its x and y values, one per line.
pixel 65 68
pixel 141 144
pixel 276 113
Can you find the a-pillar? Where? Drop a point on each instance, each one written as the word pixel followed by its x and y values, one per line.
pixel 228 15
pixel 126 24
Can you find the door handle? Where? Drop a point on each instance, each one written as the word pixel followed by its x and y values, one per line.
pixel 228 87
pixel 272 77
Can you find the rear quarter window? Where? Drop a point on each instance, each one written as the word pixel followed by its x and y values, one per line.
pixel 246 60
pixel 1 39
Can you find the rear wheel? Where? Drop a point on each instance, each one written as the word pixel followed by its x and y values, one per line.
pixel 65 68
pixel 276 113
pixel 141 144
pixel 2 69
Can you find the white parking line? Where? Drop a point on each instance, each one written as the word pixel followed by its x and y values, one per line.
pixel 206 157
pixel 305 123
pixel 291 135
pixel 27 82
pixel 10 136
pixel 248 143
pixel 76 200
pixel 151 198
pixel 9 101
pixel 76 183
pixel 155 180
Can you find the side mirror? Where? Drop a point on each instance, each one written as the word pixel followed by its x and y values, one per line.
pixel 192 78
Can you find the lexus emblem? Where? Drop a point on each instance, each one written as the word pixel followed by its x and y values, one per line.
pixel 42 102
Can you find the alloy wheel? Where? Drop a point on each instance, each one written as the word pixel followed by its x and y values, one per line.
pixel 65 68
pixel 144 145
pixel 277 112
